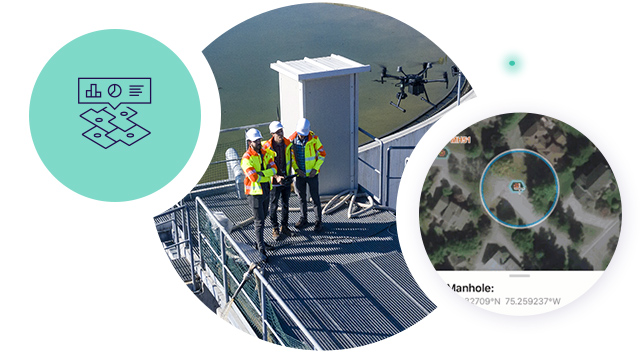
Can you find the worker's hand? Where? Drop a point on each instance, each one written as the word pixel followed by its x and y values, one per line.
pixel 313 173
pixel 279 179
pixel 300 173
pixel 261 174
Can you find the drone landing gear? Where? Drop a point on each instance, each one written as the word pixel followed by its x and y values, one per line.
pixel 426 99
pixel 398 106
pixel 400 96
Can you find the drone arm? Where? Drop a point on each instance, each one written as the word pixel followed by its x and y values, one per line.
pixel 426 67
pixel 444 79
pixel 433 80
pixel 386 75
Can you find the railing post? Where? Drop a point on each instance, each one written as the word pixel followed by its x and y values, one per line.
pixel 222 244
pixel 458 90
pixel 263 304
pixel 175 230
pixel 201 258
pixel 192 254
pixel 380 181
pixel 387 177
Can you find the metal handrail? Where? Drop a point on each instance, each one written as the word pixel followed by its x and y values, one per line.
pixel 389 149
pixel 223 161
pixel 380 162
pixel 167 212
pixel 244 127
pixel 264 282
pixel 185 226
pixel 225 267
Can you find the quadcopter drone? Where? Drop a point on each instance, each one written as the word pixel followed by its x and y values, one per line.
pixel 415 83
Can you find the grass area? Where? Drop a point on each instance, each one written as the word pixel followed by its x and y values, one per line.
pixel 605 262
pixel 590 235
pixel 510 121
pixel 583 156
pixel 566 179
pixel 506 167
pixel 555 224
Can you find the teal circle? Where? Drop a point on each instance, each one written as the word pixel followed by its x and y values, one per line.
pixel 120 172
pixel 511 62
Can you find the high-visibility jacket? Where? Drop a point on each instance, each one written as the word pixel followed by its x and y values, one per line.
pixel 314 153
pixel 252 164
pixel 287 151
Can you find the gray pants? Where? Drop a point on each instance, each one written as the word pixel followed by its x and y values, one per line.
pixel 278 192
pixel 259 206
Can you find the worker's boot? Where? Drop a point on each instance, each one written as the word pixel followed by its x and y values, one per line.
pixel 285 230
pixel 300 224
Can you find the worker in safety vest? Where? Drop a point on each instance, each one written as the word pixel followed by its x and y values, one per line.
pixel 309 155
pixel 281 147
pixel 259 167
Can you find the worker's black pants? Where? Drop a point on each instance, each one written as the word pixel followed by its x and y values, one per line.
pixel 314 188
pixel 280 192
pixel 259 206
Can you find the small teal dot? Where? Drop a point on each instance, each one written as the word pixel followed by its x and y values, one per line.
pixel 512 63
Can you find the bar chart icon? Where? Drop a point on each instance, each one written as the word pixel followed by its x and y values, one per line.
pixel 92 92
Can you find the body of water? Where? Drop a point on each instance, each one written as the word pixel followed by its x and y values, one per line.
pixel 249 88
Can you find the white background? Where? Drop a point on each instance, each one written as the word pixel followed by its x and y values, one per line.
pixel 79 274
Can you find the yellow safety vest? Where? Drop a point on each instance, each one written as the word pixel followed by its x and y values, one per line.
pixel 314 153
pixel 251 164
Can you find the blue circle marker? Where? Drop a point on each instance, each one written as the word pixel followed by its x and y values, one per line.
pixel 123 113
pixel 97 135
pixel 554 203
pixel 130 135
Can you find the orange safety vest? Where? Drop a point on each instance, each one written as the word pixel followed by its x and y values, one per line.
pixel 287 150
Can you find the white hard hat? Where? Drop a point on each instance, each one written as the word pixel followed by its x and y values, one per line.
pixel 303 127
pixel 275 126
pixel 253 134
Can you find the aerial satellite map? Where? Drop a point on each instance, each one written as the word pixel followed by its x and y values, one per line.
pixel 520 191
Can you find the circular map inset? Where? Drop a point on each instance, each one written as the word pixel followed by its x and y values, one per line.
pixel 514 208
pixel 519 188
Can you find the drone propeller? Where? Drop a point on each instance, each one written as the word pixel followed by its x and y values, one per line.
pixel 426 66
pixel 383 74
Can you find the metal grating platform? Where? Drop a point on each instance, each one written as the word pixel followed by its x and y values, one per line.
pixel 182 266
pixel 349 284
